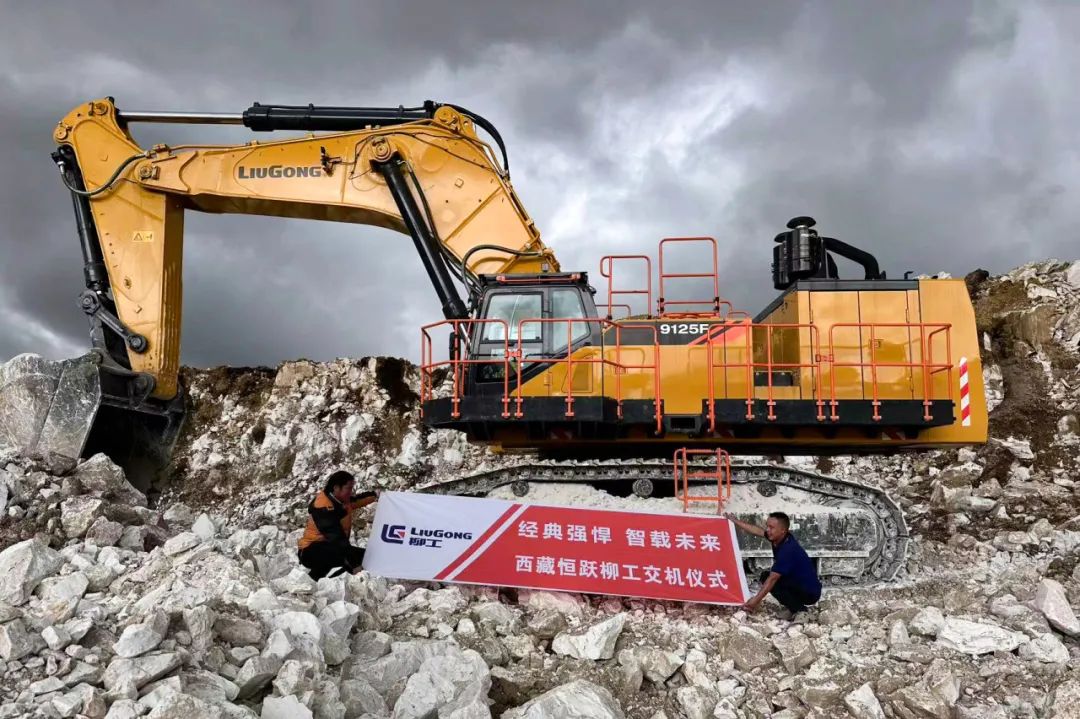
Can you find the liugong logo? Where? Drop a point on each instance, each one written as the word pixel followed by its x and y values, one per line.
pixel 393 533
pixel 418 537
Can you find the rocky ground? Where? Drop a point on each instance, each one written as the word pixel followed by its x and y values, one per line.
pixel 183 598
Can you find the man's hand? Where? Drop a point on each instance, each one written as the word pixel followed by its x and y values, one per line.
pixel 752 605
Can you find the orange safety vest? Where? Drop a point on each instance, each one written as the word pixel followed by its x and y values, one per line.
pixel 326 511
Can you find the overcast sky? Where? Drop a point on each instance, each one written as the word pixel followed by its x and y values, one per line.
pixel 937 135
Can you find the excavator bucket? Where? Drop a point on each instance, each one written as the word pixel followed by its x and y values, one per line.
pixel 62 411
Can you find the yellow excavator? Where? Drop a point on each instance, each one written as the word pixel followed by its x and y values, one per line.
pixel 650 404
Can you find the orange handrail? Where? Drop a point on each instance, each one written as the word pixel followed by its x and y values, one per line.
pixel 619 367
pixel 663 302
pixel 428 364
pixel 926 360
pixel 750 365
pixel 683 475
pixel 607 270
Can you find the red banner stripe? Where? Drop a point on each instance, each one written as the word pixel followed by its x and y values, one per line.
pixel 496 525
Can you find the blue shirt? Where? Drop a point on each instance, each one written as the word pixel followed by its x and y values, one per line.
pixel 791 562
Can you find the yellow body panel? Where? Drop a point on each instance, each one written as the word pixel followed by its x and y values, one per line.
pixel 853 351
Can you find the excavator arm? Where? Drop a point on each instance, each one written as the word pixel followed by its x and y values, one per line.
pixel 421 171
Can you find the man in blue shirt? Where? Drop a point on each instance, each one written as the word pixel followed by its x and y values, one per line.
pixel 793 579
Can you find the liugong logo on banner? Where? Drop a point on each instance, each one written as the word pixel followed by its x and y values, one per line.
pixel 485 541
pixel 419 536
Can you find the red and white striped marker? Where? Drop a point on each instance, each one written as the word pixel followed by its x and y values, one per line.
pixel 892 434
pixel 965 394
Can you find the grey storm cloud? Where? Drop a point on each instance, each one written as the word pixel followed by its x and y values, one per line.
pixel 939 136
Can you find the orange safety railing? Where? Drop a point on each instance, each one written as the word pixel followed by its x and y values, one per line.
pixel 750 364
pixel 684 473
pixel 619 367
pixel 926 360
pixel 663 303
pixel 718 341
pixel 461 333
pixel 607 270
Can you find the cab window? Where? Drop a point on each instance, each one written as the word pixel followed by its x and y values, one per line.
pixel 566 304
pixel 512 309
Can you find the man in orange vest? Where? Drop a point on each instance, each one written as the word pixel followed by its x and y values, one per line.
pixel 324 548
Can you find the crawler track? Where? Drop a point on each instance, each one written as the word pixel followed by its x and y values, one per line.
pixel 856 533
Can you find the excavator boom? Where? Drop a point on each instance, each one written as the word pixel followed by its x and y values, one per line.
pixel 423 172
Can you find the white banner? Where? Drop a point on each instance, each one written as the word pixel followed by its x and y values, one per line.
pixel 418 536
pixel 598 551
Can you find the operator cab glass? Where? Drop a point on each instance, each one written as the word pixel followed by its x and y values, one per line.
pixel 523 316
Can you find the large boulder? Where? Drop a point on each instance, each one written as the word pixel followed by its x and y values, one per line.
pixel 1050 599
pixel 580 699
pixel 749 650
pixel 456 683
pixel 46 407
pixel 593 642
pixel 23 566
pixel 976 638
pixel 15 641
pixel 135 673
pixel 78 514
pixel 138 639
pixel 101 478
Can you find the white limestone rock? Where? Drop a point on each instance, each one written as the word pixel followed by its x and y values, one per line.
pixel 204 527
pixel 360 698
pixel 593 642
pixel 864 704
pixel 927 622
pixel 78 514
pixel 1051 600
pixel 796 651
pixel 15 641
pixel 56 637
pixel 285 708
pixel 256 673
pixel 174 705
pixel 138 639
pixel 139 671
pixel 456 683
pixel 339 618
pixel 580 699
pixel 181 543
pixel 23 566
pixel 977 638
pixel 696 702
pixel 64 588
pixel 1046 649
pixel 657 665
pixel 103 479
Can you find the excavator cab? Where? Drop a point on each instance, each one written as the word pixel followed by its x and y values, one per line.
pixel 542 317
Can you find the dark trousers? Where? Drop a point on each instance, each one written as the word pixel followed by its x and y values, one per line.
pixel 791 595
pixel 322 558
